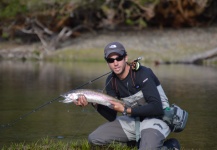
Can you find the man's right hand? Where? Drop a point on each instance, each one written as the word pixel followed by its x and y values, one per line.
pixel 82 101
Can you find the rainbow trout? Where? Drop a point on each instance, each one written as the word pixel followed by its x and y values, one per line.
pixel 91 96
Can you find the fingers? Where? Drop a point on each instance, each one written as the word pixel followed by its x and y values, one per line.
pixel 82 101
pixel 117 106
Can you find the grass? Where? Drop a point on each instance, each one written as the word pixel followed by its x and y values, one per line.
pixel 90 55
pixel 47 143
pixel 95 55
pixel 153 45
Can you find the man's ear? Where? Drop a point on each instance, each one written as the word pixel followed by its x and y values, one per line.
pixel 126 58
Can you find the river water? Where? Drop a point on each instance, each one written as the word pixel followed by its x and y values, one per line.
pixel 25 86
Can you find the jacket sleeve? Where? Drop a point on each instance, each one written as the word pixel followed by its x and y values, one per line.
pixel 153 106
pixel 163 97
pixel 107 112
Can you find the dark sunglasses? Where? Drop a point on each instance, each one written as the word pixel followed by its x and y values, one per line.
pixel 111 60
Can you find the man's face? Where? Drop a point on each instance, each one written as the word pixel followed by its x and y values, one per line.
pixel 117 63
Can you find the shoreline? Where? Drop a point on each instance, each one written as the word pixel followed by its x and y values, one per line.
pixel 152 44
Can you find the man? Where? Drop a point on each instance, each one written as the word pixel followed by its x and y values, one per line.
pixel 144 101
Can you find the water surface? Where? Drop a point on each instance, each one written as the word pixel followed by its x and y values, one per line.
pixel 25 86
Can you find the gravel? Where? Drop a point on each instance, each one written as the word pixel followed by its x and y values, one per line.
pixel 165 44
pixel 153 44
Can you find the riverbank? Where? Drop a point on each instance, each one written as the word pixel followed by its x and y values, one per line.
pixel 152 44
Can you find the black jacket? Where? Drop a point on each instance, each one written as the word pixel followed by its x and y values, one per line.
pixel 145 80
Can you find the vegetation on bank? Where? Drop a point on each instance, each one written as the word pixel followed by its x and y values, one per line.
pixel 88 55
pixel 51 144
pixel 54 23
pixel 176 50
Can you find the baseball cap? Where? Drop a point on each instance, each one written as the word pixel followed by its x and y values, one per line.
pixel 114 47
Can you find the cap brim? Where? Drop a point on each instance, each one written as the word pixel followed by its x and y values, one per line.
pixel 114 51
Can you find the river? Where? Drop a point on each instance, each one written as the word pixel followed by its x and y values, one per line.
pixel 25 86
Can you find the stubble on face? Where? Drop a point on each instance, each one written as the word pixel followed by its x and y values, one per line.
pixel 119 67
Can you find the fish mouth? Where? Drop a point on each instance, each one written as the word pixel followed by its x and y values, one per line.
pixel 63 95
pixel 62 101
pixel 65 100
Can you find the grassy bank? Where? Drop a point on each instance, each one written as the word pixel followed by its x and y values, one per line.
pixel 87 55
pixel 167 45
pixel 152 44
pixel 50 144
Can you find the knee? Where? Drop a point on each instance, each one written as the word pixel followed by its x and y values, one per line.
pixel 91 139
pixel 151 139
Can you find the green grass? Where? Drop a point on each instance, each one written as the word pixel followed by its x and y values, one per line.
pixel 91 55
pixel 48 144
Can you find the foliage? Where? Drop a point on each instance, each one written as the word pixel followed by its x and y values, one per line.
pixel 12 8
pixel 55 21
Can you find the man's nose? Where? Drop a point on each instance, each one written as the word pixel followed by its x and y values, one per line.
pixel 115 62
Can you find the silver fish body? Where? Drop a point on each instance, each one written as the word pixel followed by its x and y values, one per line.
pixel 91 96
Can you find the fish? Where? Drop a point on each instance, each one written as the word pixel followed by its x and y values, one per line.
pixel 92 96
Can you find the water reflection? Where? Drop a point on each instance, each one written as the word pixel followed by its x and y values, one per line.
pixel 27 85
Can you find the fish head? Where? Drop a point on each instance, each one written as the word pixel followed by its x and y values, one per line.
pixel 69 98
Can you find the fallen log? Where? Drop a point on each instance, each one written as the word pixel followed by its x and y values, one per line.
pixel 196 59
pixel 199 58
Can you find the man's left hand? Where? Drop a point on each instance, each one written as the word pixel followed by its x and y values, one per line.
pixel 117 106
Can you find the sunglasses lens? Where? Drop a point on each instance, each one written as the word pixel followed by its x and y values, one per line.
pixel 119 58
pixel 111 60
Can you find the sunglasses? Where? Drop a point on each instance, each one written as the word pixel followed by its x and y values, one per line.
pixel 111 60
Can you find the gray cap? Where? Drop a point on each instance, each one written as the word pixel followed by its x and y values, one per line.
pixel 114 47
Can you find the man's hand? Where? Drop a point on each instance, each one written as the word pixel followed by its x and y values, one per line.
pixel 120 107
pixel 82 101
pixel 117 106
